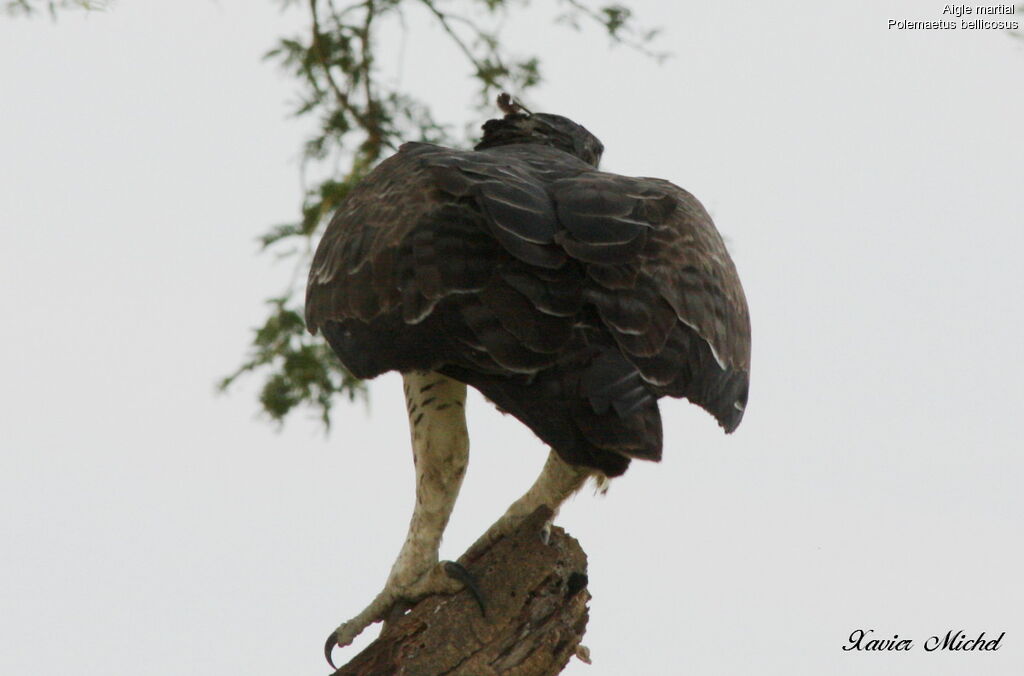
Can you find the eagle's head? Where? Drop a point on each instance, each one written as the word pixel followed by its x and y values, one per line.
pixel 521 126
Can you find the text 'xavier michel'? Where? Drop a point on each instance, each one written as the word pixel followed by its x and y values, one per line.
pixel 955 641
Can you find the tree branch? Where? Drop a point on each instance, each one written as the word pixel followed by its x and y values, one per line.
pixel 536 615
pixel 444 19
pixel 342 98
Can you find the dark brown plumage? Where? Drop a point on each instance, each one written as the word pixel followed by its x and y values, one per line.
pixel 570 297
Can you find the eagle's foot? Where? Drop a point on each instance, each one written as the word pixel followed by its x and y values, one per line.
pixel 446 577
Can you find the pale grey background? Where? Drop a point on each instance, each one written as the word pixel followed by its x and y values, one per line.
pixel 868 182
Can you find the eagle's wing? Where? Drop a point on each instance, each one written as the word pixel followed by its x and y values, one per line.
pixel 367 259
pixel 663 284
pixel 570 297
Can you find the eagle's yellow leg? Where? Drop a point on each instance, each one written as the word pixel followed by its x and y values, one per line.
pixel 440 443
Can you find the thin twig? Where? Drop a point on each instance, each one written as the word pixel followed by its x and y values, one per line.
pixel 373 108
pixel 341 96
pixel 443 18
pixel 637 45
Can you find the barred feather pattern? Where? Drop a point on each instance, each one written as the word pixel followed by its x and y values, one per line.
pixel 571 298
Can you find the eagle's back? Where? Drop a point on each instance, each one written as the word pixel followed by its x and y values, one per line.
pixel 572 298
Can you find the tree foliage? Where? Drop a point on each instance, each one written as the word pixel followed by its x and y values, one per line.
pixel 30 7
pixel 361 119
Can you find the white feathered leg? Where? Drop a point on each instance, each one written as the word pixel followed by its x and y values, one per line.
pixel 440 443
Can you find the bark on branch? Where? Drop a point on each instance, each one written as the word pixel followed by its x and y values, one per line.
pixel 536 615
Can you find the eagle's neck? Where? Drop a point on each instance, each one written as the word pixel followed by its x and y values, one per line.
pixel 511 129
pixel 541 129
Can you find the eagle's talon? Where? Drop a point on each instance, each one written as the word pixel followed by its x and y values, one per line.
pixel 445 577
pixel 343 636
pixel 332 640
pixel 458 572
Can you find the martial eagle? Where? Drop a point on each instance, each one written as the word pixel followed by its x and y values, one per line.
pixel 570 297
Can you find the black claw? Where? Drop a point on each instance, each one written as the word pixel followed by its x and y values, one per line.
pixel 457 571
pixel 332 640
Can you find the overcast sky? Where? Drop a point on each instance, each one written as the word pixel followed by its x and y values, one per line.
pixel 867 180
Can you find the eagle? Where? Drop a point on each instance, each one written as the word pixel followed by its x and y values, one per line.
pixel 571 298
